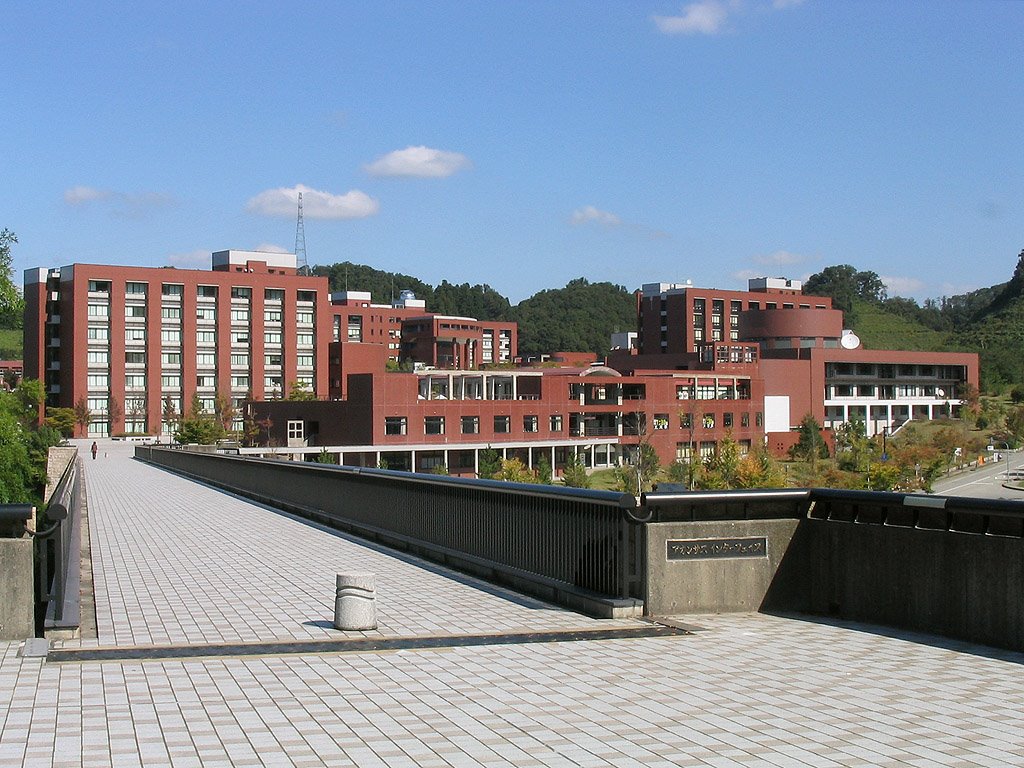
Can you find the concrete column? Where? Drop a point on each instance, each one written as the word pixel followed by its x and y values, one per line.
pixel 355 602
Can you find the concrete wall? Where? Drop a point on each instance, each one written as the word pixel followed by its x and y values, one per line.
pixel 711 584
pixel 960 585
pixel 17 598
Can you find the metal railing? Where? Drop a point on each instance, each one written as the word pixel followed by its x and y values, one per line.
pixel 993 517
pixel 58 554
pixel 562 539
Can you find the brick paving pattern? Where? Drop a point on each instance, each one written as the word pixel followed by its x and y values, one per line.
pixel 180 563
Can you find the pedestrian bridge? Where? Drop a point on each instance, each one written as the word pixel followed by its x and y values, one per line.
pixel 212 643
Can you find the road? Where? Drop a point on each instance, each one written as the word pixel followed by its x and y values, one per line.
pixel 985 482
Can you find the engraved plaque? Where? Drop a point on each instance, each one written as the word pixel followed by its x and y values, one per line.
pixel 716 549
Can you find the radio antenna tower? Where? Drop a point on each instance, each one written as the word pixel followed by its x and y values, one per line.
pixel 300 243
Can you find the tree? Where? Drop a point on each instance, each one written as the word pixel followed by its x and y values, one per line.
pixel 224 410
pixel 11 302
pixel 61 419
pixel 853 449
pixel 83 416
pixel 298 391
pixel 514 471
pixel 544 470
pixel 170 415
pixel 574 474
pixel 489 464
pixel 114 413
pixel 811 446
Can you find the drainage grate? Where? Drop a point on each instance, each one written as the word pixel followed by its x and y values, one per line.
pixel 359 645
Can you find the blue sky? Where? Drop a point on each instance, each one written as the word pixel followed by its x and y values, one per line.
pixel 523 144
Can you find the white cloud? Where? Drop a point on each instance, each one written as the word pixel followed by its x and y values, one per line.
pixel 779 259
pixel 271 247
pixel 81 195
pixel 589 214
pixel 422 162
pixel 705 17
pixel 122 205
pixel 193 260
pixel 283 202
pixel 904 286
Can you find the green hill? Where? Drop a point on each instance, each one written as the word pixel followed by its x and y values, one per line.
pixel 879 328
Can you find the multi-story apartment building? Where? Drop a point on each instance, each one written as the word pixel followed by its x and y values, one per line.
pixel 129 343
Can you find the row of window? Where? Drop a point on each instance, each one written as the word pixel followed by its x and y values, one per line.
pixel 134 311
pixel 435 425
pixel 173 336
pixel 202 291
pixel 203 359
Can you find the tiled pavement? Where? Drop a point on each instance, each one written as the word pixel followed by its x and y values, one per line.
pixel 178 563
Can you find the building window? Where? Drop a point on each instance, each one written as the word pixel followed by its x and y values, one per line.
pixel 304 361
pixel 171 289
pixel 206 291
pixel 683 453
pixel 296 430
pixel 170 358
pixel 433 425
pixel 134 381
pixel 272 383
pixel 237 315
pixel 530 424
pixel 726 419
pixel 170 381
pixel 241 293
pixel 98 358
pixel 271 338
pixel 556 423
pixel 206 382
pixel 744 419
pixel 98 380
pixel 661 421
pixel 272 316
pixel 470 425
pixel 208 313
pixel 170 313
pixel 100 334
pixel 273 294
pixel 709 421
pixel 686 421
pixel 273 360
pixel 395 425
pixel 135 358
pixel 759 419
pixel 304 318
pixel 99 310
pixel 206 359
pixel 502 424
pixel 97 404
pixel 135 310
pixel 240 361
pixel 239 337
pixel 99 286
pixel 135 289
pixel 170 336
pixel 239 382
pixel 206 337
pixel 304 339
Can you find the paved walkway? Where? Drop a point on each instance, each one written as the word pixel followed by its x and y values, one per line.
pixel 180 564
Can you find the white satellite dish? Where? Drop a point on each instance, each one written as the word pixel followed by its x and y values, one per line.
pixel 849 340
pixel 940 393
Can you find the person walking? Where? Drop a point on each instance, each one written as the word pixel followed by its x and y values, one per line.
pixel 95 450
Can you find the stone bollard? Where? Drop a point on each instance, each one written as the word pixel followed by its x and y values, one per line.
pixel 355 606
